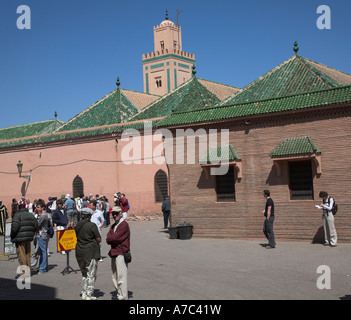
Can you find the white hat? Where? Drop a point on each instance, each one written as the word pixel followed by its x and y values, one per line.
pixel 68 196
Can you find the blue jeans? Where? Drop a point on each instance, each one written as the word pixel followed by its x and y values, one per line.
pixel 43 255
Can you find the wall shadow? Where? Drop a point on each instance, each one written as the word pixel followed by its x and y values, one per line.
pixel 9 291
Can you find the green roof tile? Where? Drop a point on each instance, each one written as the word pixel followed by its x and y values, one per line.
pixel 113 108
pixel 191 95
pixel 295 146
pixel 289 103
pixel 295 76
pixel 30 129
pixel 219 154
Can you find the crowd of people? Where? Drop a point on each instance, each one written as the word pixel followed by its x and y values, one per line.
pixel 37 222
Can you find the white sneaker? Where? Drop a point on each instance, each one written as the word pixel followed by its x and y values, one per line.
pixel 90 298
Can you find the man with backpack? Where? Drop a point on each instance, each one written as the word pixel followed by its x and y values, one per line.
pixel 329 209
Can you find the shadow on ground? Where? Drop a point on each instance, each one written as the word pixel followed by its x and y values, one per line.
pixel 10 291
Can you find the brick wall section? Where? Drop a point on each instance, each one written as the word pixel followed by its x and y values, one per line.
pixel 193 196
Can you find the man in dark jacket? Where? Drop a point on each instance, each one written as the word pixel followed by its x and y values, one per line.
pixel 23 229
pixel 119 238
pixel 166 209
pixel 59 218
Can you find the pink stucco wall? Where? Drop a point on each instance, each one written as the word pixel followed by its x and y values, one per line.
pixel 54 169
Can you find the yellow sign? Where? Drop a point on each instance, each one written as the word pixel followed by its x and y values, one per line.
pixel 66 240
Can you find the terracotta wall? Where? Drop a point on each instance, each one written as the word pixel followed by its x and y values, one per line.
pixel 193 197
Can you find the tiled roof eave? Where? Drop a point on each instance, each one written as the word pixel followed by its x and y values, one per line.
pixel 84 134
pixel 291 104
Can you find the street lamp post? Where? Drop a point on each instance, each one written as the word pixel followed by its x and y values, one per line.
pixel 19 169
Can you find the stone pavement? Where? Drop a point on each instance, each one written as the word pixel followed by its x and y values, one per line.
pixel 197 269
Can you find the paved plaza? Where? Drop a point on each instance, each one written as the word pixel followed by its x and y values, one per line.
pixel 197 269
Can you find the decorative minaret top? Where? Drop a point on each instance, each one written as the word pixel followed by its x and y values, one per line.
pixel 296 48
pixel 168 65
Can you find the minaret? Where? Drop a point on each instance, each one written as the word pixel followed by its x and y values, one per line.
pixel 168 65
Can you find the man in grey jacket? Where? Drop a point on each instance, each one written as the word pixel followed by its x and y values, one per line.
pixel 23 228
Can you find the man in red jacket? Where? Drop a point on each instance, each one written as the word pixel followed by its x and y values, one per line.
pixel 123 203
pixel 119 239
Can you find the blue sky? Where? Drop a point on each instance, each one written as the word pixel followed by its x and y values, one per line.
pixel 75 49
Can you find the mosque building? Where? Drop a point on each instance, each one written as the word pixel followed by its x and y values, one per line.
pixel 287 131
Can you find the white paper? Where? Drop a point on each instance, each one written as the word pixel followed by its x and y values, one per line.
pixel 318 207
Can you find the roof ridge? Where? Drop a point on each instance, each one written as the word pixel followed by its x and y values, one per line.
pixel 148 94
pixel 260 78
pixel 28 124
pixel 264 100
pixel 199 88
pixel 319 74
pixel 324 65
pixel 162 98
pixel 85 110
pixel 222 84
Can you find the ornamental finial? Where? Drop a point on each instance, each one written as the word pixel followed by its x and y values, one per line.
pixel 296 48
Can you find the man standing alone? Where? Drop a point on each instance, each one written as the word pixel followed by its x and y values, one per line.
pixel 119 239
pixel 268 223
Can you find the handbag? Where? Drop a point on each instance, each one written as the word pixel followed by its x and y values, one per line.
pixel 127 256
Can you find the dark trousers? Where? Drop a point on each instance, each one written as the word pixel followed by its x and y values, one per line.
pixel 166 218
pixel 268 231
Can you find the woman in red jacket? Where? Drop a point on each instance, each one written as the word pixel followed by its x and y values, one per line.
pixel 119 237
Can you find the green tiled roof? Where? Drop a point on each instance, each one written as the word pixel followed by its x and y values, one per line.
pixel 295 146
pixel 191 95
pixel 30 129
pixel 295 102
pixel 219 154
pixel 65 135
pixel 294 76
pixel 113 108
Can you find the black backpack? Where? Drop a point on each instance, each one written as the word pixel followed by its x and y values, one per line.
pixel 335 207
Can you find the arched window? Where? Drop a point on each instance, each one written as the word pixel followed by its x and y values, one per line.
pixel 161 186
pixel 78 188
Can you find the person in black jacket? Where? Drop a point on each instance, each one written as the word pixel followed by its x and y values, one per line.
pixel 268 223
pixel 59 218
pixel 166 210
pixel 23 229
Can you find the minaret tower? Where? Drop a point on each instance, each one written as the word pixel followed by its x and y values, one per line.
pixel 168 65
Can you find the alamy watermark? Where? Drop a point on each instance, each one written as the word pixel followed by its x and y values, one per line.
pixel 24 20
pixel 324 280
pixel 324 20
pixel 24 280
pixel 180 149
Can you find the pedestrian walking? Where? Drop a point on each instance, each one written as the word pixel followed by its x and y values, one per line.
pixel 166 210
pixel 269 219
pixel 330 235
pixel 87 252
pixel 119 239
pixel 42 235
pixel 23 229
pixel 98 219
